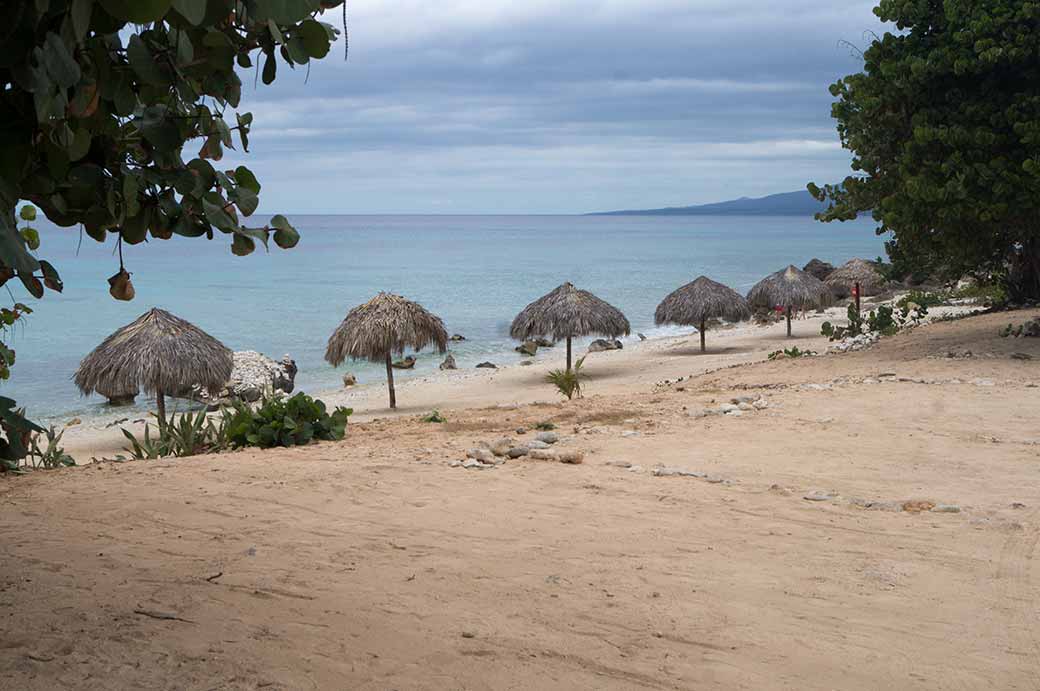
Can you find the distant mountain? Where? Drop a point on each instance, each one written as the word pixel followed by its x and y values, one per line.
pixel 786 204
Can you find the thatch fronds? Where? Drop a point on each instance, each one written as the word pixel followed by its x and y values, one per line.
pixel 792 288
pixel 385 325
pixel 566 313
pixel 701 300
pixel 870 280
pixel 157 353
pixel 817 268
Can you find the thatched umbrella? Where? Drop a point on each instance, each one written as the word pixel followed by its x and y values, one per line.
pixel 870 280
pixel 790 288
pixel 697 302
pixel 566 313
pixel 157 353
pixel 383 327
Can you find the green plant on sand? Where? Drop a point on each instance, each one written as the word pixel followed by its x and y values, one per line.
pixel 568 381
pixel 280 421
pixel 433 416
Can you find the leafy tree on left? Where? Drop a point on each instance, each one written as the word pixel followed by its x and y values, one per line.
pixel 112 116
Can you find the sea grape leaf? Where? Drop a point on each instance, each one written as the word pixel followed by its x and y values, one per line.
pixel 285 236
pixel 192 10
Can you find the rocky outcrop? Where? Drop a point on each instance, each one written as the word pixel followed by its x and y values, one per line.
pixel 527 348
pixel 488 365
pixel 349 380
pixel 602 344
pixel 449 362
pixel 457 337
pixel 406 363
pixel 252 375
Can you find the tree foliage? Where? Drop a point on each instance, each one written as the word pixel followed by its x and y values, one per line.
pixel 944 126
pixel 115 114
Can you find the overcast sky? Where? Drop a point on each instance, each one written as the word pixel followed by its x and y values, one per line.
pixel 557 106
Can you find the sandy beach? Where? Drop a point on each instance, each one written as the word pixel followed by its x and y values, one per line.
pixel 872 525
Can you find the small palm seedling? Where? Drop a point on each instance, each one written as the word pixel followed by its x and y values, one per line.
pixel 568 382
pixel 434 416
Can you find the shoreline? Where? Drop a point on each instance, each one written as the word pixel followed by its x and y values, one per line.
pixel 513 385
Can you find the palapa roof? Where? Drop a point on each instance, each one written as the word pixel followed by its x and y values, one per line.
pixel 818 268
pixel 700 300
pixel 569 312
pixel 386 324
pixel 157 353
pixel 790 287
pixel 870 280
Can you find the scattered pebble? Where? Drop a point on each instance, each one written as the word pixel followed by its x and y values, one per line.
pixel 820 496
pixel 918 505
pixel 548 437
pixel 630 433
pixel 946 508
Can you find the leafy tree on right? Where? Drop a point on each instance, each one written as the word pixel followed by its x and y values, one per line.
pixel 944 126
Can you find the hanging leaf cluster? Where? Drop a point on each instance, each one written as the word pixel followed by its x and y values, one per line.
pixel 115 114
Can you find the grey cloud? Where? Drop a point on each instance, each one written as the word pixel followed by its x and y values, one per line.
pixel 497 106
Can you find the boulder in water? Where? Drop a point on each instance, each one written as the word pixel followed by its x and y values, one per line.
pixel 488 365
pixel 449 362
pixel 527 348
pixel 406 363
pixel 601 344
pixel 349 380
pixel 457 337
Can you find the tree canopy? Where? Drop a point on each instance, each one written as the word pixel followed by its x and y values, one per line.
pixel 114 116
pixel 944 126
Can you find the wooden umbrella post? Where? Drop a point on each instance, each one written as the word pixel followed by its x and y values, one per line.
pixel 701 329
pixel 788 310
pixel 855 294
pixel 390 381
pixel 568 353
pixel 160 403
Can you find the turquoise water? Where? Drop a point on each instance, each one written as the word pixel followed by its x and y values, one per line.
pixel 476 272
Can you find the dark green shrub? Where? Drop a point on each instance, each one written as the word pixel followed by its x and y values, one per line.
pixel 280 421
pixel 434 416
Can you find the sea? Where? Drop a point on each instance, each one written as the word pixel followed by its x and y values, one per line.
pixel 475 272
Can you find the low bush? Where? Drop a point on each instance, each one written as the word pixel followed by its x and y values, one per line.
pixel 277 421
pixel 434 416
pixel 280 421
pixel 794 352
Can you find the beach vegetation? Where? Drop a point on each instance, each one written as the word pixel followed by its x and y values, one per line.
pixel 434 416
pixel 545 426
pixel 116 116
pixel 284 421
pixel 941 123
pixel 568 381
pixel 794 352
pixel 49 454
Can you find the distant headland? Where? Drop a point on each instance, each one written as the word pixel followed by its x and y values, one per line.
pixel 798 203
